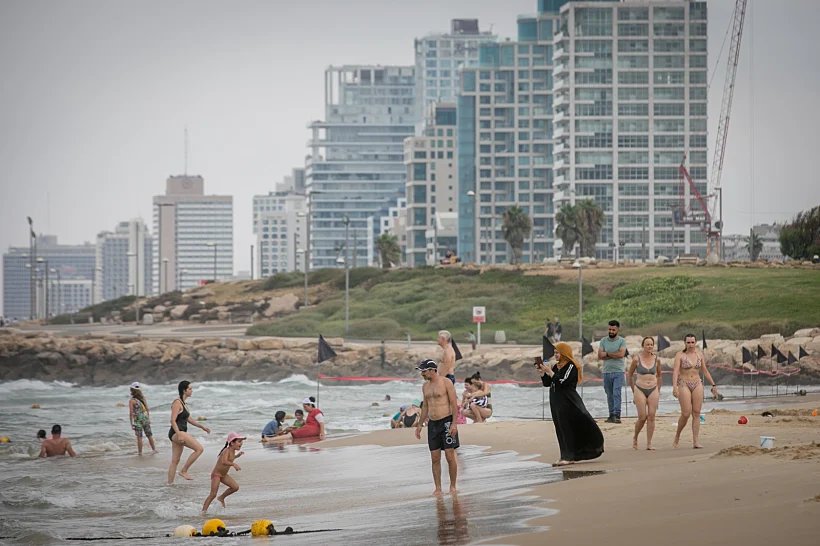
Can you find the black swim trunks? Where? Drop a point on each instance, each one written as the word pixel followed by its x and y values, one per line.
pixel 438 436
pixel 451 377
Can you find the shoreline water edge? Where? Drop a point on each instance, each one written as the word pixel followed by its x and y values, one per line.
pixel 732 491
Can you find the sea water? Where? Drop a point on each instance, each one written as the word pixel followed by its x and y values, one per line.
pixel 372 495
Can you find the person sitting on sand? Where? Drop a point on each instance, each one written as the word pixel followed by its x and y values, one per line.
pixel 274 427
pixel 687 387
pixel 224 462
pixel 409 416
pixel 645 382
pixel 314 424
pixel 477 404
pixel 299 420
pixel 395 422
pixel 56 445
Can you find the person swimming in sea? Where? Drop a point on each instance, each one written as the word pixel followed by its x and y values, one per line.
pixel 56 445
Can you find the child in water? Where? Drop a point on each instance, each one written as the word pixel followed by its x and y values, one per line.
pixel 300 419
pixel 223 464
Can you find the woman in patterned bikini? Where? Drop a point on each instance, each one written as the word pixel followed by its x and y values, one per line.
pixel 687 387
pixel 645 381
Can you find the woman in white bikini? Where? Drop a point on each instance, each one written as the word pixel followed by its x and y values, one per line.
pixel 687 387
pixel 645 382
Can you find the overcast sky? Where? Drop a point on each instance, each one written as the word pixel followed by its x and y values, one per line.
pixel 95 95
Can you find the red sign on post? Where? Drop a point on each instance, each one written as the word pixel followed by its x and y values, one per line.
pixel 478 315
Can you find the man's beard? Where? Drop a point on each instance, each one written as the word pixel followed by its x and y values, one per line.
pixel 613 336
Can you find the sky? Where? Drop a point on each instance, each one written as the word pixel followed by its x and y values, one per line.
pixel 95 97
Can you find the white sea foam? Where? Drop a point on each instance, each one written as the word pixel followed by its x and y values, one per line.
pixel 300 378
pixel 32 385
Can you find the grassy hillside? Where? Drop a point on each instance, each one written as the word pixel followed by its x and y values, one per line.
pixel 726 302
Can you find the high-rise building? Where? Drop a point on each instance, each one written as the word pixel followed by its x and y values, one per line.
pixel 66 262
pixel 279 223
pixel 505 141
pixel 432 181
pixel 294 182
pixel 125 261
pixel 194 233
pixel 356 168
pixel 439 57
pixel 630 88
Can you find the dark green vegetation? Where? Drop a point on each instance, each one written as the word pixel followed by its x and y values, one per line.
pixel 800 238
pixel 731 303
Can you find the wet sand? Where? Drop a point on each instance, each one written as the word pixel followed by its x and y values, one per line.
pixel 729 492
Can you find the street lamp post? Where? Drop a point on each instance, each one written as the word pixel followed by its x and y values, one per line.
pixel 304 257
pixel 476 247
pixel 165 273
pixel 32 244
pixel 307 245
pixel 435 240
pixel 580 295
pixel 40 260
pixel 215 245
pixel 346 221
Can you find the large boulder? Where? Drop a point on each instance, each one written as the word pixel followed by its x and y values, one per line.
pixel 281 305
pixel 270 344
pixel 159 310
pixel 178 312
pixel 148 319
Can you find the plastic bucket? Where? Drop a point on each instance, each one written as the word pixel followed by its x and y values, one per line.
pixel 767 442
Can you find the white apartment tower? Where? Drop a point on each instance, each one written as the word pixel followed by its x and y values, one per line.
pixel 439 57
pixel 630 95
pixel 194 235
pixel 124 261
pixel 432 183
pixel 279 223
pixel 355 171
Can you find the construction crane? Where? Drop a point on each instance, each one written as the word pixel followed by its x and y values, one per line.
pixel 703 217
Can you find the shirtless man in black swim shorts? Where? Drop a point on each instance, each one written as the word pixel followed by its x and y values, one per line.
pixel 441 406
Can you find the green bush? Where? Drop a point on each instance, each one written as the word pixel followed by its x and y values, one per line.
pixel 283 280
pixel 376 328
pixel 321 276
pixel 647 301
pixel 359 276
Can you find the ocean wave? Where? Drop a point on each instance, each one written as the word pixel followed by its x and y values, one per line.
pixel 32 385
pixel 300 378
pixel 104 446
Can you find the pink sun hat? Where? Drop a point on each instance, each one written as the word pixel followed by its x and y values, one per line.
pixel 236 436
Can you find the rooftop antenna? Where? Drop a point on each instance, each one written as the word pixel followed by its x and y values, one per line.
pixel 186 150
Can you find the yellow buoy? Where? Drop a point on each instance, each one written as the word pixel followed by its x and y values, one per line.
pixel 184 531
pixel 288 416
pixel 35 406
pixel 201 418
pixel 120 405
pixel 213 527
pixel 262 528
pixel 374 405
pixel 5 440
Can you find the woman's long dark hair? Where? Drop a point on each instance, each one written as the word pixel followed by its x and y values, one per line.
pixel 182 387
pixel 137 393
pixel 280 416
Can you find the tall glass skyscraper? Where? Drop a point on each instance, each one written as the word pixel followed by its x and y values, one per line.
pixel 356 167
pixel 630 84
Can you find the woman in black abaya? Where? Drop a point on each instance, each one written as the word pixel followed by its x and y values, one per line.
pixel 579 437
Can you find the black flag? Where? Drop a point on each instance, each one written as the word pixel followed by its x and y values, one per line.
pixel 586 348
pixel 747 355
pixel 801 353
pixel 662 343
pixel 703 335
pixel 791 359
pixel 547 349
pixel 760 352
pixel 325 351
pixel 780 357
pixel 455 348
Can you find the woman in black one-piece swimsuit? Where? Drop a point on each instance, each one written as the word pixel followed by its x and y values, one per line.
pixel 180 439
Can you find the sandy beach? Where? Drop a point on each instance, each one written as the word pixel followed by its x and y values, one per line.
pixel 729 492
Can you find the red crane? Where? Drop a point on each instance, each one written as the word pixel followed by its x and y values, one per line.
pixel 702 217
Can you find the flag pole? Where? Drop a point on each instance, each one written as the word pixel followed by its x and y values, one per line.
pixel 318 373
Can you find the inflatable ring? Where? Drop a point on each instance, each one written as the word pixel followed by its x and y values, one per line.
pixel 184 531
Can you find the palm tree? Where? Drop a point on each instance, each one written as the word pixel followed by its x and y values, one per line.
pixel 389 250
pixel 516 227
pixel 591 219
pixel 754 244
pixel 568 228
